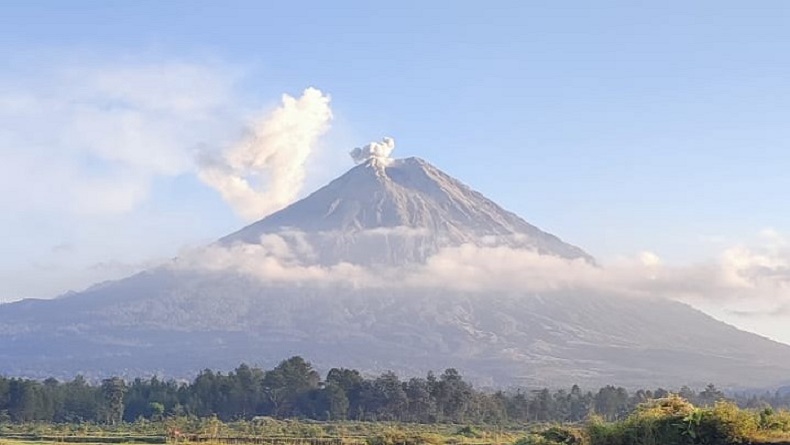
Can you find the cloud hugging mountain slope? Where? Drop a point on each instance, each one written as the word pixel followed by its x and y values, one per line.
pixel 394 265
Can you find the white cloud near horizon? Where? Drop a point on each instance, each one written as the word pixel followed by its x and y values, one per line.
pixel 747 285
pixel 274 260
pixel 756 275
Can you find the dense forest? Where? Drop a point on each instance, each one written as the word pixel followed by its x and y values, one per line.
pixel 293 389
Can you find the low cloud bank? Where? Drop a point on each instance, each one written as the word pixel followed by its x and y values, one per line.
pixel 275 260
pixel 756 275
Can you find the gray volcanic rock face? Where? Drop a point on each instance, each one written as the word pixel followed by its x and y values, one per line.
pixel 399 212
pixel 174 321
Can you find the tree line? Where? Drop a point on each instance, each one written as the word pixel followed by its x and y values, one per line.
pixel 293 389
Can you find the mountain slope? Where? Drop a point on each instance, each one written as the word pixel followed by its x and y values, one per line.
pixel 176 320
pixel 397 212
pixel 182 324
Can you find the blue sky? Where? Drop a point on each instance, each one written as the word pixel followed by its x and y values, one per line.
pixel 621 126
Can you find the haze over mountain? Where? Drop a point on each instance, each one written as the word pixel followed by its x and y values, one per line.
pixel 330 277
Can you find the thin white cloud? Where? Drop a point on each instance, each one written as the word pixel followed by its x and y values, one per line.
pixel 87 141
pixel 98 135
pixel 755 276
pixel 172 87
pixel 273 261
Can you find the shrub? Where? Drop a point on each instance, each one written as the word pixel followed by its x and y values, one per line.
pixel 555 435
pixel 564 435
pixel 774 421
pixel 470 432
pixel 394 437
pixel 729 423
pixel 534 439
pixel 674 421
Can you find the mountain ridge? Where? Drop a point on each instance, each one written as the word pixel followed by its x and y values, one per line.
pixel 403 194
pixel 175 320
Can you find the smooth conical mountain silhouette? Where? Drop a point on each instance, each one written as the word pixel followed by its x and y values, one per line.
pixel 174 321
pixel 397 211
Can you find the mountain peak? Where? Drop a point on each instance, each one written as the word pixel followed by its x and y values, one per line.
pixel 383 211
pixel 382 195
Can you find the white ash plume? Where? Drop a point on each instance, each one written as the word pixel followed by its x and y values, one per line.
pixel 265 171
pixel 374 150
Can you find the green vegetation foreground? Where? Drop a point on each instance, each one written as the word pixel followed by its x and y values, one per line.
pixel 673 421
pixel 251 405
pixel 293 389
pixel 666 421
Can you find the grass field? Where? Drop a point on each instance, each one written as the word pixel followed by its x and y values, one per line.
pixel 261 432
pixel 669 421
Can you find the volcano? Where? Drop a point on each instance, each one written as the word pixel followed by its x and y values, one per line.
pixel 394 214
pixel 400 211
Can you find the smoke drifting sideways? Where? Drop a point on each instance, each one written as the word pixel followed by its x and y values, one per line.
pixel 379 151
pixel 265 171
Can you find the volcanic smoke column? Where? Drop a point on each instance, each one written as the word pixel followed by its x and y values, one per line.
pixel 265 171
pixel 379 151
